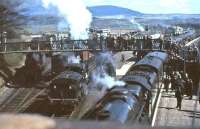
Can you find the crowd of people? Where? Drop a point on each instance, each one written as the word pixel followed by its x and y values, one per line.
pixel 181 84
pixel 128 41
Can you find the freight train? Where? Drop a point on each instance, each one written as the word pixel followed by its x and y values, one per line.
pixel 136 99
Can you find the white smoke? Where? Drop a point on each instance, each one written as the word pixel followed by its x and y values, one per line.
pixel 76 13
pixel 74 60
pixel 104 80
pixel 100 77
pixel 140 27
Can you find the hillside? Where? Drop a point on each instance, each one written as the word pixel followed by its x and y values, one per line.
pixel 108 10
pixel 100 23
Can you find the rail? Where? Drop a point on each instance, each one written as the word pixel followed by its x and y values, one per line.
pixel 19 99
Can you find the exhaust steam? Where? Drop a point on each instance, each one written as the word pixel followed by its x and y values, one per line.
pixel 101 76
pixel 75 13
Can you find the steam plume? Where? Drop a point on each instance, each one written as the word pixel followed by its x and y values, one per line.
pixel 74 60
pixel 101 76
pixel 140 27
pixel 75 13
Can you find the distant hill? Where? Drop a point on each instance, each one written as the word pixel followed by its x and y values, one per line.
pixel 101 23
pixel 108 10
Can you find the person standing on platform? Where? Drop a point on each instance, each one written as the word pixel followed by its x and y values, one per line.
pixel 179 97
pixel 172 81
pixel 179 92
pixel 189 87
pixel 198 95
pixel 166 83
pixel 123 58
pixel 161 44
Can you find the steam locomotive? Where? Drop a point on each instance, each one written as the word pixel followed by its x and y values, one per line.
pixel 69 86
pixel 139 96
pixel 65 82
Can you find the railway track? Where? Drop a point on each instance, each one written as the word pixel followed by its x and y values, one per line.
pixel 17 100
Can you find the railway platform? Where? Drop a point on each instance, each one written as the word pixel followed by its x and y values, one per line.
pixel 169 116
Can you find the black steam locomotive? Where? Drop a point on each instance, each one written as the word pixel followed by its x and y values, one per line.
pixel 64 82
pixel 69 86
pixel 138 97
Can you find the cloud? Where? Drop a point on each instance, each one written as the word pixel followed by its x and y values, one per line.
pixel 170 6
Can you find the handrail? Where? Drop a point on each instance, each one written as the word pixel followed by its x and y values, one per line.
pixel 82 45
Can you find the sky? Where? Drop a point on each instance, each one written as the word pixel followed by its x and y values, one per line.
pixel 153 6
